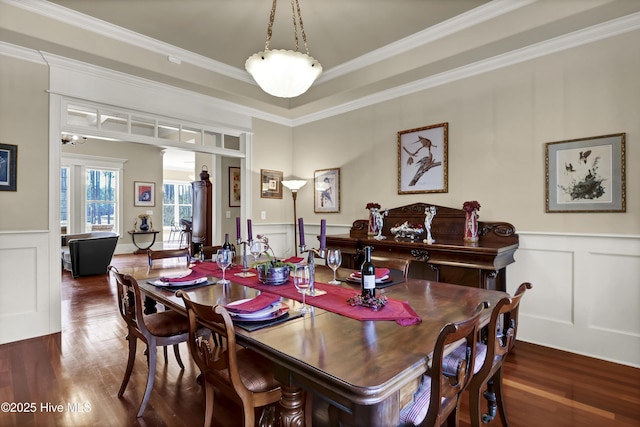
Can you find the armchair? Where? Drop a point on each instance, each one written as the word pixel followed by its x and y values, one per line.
pixel 88 254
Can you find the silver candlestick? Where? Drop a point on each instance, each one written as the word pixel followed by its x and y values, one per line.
pixel 312 253
pixel 245 268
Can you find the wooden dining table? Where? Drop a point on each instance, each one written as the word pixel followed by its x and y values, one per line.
pixel 367 369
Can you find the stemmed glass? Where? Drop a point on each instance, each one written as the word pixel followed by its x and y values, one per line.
pixel 334 259
pixel 224 259
pixel 302 282
pixel 255 249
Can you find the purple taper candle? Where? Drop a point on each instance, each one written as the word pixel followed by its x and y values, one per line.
pixel 323 234
pixel 249 231
pixel 238 228
pixel 301 229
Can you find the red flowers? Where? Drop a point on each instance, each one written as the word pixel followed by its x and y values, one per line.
pixel 372 205
pixel 471 206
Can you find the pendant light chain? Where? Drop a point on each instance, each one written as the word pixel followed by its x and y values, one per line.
pixel 294 9
pixel 304 36
pixel 270 27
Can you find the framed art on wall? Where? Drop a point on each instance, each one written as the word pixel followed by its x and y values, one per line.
pixel 422 160
pixel 234 187
pixel 327 190
pixel 144 193
pixel 8 167
pixel 271 184
pixel 586 174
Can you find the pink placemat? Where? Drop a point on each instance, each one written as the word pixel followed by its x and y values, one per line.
pixel 335 300
pixel 193 275
pixel 264 300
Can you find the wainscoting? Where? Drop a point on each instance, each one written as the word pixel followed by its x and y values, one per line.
pixel 30 302
pixel 586 294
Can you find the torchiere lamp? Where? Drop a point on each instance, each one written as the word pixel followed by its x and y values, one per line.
pixel 294 185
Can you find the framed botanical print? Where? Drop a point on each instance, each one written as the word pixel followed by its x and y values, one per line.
pixel 586 175
pixel 144 193
pixel 8 167
pixel 271 184
pixel 326 190
pixel 422 160
pixel 234 187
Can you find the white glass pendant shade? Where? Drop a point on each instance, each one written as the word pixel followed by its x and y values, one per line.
pixel 283 73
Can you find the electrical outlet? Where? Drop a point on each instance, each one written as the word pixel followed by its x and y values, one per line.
pixel 228 214
pixel 150 213
pixel 263 214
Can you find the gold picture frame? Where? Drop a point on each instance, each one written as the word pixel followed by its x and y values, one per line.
pixel 423 163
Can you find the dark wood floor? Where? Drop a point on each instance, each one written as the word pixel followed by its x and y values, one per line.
pixel 81 369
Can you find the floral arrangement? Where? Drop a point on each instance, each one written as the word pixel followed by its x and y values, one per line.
pixel 471 206
pixel 375 303
pixel 373 205
pixel 143 216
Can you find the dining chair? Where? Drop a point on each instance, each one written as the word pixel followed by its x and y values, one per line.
pixel 436 400
pixel 397 264
pixel 155 330
pixel 239 373
pixel 168 253
pixel 164 254
pixel 504 324
pixel 174 232
pixel 210 251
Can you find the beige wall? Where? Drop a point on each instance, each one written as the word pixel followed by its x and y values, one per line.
pixel 24 121
pixel 143 163
pixel 498 126
pixel 272 150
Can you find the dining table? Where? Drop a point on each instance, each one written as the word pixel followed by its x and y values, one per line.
pixel 367 369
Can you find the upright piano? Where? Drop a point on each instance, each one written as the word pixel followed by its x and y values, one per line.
pixel 448 259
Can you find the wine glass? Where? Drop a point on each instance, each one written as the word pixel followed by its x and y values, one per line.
pixel 223 259
pixel 334 259
pixel 255 249
pixel 302 282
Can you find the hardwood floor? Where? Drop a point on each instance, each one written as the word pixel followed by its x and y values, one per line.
pixel 81 369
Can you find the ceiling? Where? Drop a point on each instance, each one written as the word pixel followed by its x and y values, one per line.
pixel 369 49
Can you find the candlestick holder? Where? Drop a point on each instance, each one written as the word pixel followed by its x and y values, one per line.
pixel 312 253
pixel 245 268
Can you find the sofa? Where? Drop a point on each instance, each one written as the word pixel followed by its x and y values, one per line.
pixel 88 254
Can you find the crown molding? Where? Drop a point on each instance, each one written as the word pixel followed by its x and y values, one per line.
pixel 88 23
pixel 592 34
pixel 174 54
pixel 456 24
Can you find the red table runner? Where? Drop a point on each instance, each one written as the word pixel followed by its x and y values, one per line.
pixel 335 300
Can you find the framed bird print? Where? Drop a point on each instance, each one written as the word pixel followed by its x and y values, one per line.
pixel 586 175
pixel 422 160
pixel 327 190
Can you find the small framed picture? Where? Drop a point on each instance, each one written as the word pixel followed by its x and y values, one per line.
pixel 271 184
pixel 8 167
pixel 586 175
pixel 144 193
pixel 327 190
pixel 422 160
pixel 234 187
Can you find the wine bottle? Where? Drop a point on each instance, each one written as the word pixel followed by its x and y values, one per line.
pixel 368 271
pixel 227 245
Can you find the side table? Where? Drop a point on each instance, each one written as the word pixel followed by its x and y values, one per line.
pixel 143 250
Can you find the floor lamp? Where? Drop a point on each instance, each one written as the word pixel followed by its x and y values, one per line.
pixel 294 185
